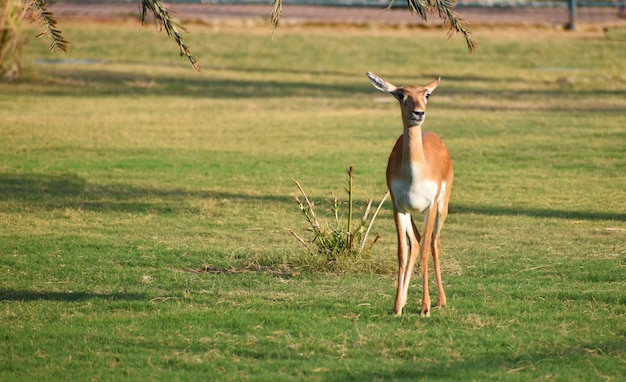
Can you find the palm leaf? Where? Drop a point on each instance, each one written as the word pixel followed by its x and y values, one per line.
pixel 420 7
pixel 40 12
pixel 456 22
pixel 445 12
pixel 277 11
pixel 171 27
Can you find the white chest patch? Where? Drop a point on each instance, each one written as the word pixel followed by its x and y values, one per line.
pixel 414 195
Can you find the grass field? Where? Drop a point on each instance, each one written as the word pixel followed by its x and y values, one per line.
pixel 123 174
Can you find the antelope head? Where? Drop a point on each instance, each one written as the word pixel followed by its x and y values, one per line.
pixel 412 98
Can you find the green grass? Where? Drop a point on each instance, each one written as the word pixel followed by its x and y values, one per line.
pixel 118 177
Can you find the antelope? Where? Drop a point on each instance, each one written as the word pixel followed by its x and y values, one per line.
pixel 419 178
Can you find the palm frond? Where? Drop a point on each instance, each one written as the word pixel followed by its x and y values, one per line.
pixel 420 7
pixel 171 27
pixel 277 11
pixel 48 22
pixel 457 24
pixel 444 9
pixel 390 5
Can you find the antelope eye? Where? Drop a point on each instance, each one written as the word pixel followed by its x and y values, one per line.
pixel 400 95
pixel 427 95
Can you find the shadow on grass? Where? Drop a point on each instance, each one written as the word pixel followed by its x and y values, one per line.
pixel 70 76
pixel 68 190
pixel 27 186
pixel 97 83
pixel 28 295
pixel 536 212
pixel 71 191
pixel 72 81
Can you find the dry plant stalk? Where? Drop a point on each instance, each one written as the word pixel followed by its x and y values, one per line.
pixel 339 240
pixel 369 227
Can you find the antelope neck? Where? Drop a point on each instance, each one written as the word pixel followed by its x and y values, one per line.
pixel 412 147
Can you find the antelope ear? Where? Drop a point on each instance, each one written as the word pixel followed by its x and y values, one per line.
pixel 381 84
pixel 432 85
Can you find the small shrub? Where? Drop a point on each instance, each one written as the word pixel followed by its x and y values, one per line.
pixel 337 240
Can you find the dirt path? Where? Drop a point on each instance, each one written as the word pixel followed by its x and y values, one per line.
pixel 303 14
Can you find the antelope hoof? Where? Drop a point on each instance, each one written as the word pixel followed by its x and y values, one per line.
pixel 426 313
pixel 441 302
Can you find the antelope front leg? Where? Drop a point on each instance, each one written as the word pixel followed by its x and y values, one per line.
pixel 413 248
pixel 403 257
pixel 400 291
pixel 424 249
